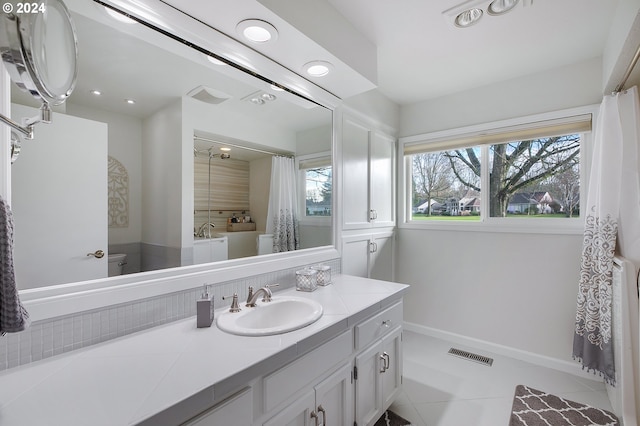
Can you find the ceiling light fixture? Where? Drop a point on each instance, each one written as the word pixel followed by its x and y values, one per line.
pixel 130 101
pixel 317 68
pixel 468 17
pixel 225 149
pixel 95 92
pixel 268 97
pixel 498 7
pixel 257 101
pixel 470 12
pixel 118 16
pixel 257 31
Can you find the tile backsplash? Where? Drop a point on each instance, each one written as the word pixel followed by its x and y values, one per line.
pixel 44 339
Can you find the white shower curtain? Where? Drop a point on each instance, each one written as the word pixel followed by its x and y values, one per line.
pixel 282 216
pixel 612 216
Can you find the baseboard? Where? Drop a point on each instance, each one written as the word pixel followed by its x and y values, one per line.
pixel 544 361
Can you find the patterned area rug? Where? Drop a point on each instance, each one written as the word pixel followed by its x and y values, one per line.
pixel 535 408
pixel 389 418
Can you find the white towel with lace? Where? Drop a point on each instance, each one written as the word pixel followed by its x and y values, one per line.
pixel 13 316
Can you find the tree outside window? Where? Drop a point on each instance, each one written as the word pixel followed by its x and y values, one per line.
pixel 529 178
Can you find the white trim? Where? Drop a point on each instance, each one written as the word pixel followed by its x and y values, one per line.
pixel 522 355
pixel 54 301
pixel 47 302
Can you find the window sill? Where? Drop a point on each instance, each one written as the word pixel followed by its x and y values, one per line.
pixel 542 226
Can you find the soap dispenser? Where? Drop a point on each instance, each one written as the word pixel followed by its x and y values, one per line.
pixel 204 309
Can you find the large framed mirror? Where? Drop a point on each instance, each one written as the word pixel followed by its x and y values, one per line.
pixel 131 165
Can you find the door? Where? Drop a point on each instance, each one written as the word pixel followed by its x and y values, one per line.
pixel 296 414
pixel 382 257
pixel 355 255
pixel 64 165
pixel 355 180
pixel 368 398
pixel 382 181
pixel 334 400
pixel 392 363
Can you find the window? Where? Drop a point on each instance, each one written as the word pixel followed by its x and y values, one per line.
pixel 528 171
pixel 316 181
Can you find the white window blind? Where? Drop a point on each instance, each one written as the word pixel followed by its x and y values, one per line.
pixel 534 130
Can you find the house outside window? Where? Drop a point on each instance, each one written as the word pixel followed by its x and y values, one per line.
pixel 532 171
pixel 316 185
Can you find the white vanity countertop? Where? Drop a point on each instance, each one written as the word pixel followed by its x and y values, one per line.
pixel 154 376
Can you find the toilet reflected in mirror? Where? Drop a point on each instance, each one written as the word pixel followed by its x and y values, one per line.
pixel 116 264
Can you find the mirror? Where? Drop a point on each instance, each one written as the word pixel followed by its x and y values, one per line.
pixel 115 170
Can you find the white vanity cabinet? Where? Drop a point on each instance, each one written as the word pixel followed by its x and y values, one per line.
pixel 378 365
pixel 368 176
pixel 378 377
pixel 328 403
pixel 368 255
pixel 210 250
pixel 235 410
pixel 327 390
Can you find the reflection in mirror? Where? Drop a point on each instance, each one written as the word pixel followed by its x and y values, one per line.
pixel 118 168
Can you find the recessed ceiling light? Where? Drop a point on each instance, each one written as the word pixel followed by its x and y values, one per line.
pixel 257 101
pixel 95 92
pixel 225 149
pixel 317 68
pixel 498 7
pixel 468 17
pixel 130 101
pixel 257 31
pixel 268 97
pixel 119 16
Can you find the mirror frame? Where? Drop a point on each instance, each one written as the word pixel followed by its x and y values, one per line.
pixel 64 299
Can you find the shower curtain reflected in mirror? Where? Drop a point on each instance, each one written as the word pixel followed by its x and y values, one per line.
pixel 282 216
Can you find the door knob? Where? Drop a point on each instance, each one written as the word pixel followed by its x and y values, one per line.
pixel 98 254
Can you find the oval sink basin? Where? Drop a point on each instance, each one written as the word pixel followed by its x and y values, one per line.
pixel 281 315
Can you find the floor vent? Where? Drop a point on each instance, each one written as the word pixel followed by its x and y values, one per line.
pixel 471 356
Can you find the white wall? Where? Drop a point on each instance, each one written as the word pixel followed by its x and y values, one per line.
pixel 162 177
pixel 125 145
pixel 377 108
pixel 509 289
pixel 560 88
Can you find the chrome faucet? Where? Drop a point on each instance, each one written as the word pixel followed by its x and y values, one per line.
pixel 252 298
pixel 208 226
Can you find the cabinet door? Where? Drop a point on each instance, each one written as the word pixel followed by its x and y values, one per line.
pixel 382 199
pixel 368 397
pixel 355 255
pixel 355 170
pixel 334 398
pixel 392 361
pixel 381 263
pixel 201 252
pixel 296 414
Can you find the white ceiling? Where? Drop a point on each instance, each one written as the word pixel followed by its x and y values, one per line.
pixel 421 55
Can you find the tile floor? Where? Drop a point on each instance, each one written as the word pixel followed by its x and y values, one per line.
pixel 442 390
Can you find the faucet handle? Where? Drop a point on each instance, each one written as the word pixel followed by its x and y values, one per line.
pixel 272 285
pixel 234 303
